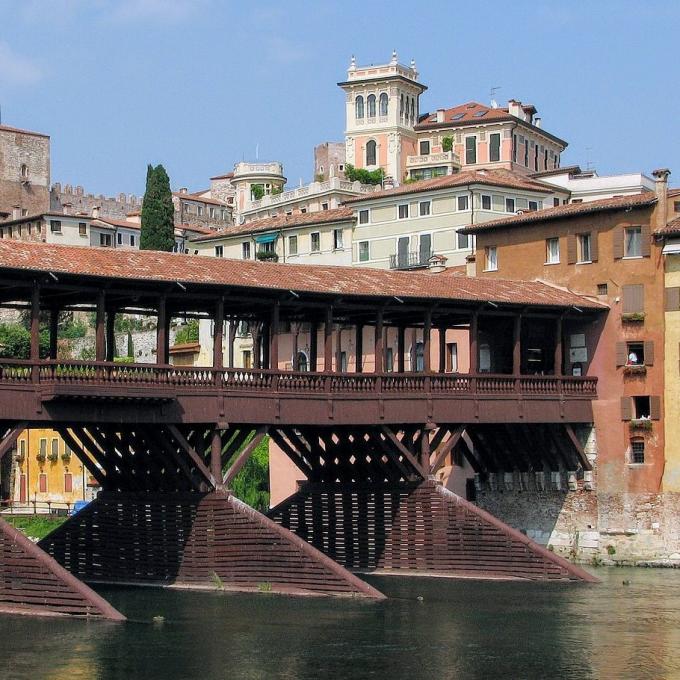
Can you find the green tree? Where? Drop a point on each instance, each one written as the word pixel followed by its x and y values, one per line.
pixel 447 143
pixel 251 484
pixel 15 341
pixel 158 213
pixel 364 176
pixel 257 191
pixel 187 333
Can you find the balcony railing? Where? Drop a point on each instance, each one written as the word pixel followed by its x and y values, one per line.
pixel 72 374
pixel 413 260
pixel 425 160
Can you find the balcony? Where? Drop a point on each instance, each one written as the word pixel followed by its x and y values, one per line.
pixel 415 260
pixel 448 158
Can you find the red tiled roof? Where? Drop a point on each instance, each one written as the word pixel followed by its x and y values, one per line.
pixel 7 128
pixel 129 224
pixel 498 178
pixel 671 228
pixel 470 113
pixel 195 270
pixel 642 200
pixel 282 222
pixel 198 199
pixel 567 169
pixel 227 175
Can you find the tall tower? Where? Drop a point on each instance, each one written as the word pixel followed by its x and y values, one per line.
pixel 382 108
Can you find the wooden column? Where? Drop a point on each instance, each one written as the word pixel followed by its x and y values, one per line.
pixel 233 327
pixel 54 332
pixel 442 349
pixel 401 349
pixel 338 349
pixel 359 348
pixel 427 345
pixel 413 354
pixel 35 323
pixel 474 340
pixel 162 339
pixel 265 341
pixel 274 323
pixel 517 345
pixel 379 343
pixel 216 457
pixel 559 357
pixel 313 346
pixel 425 450
pixel 328 341
pixel 100 326
pixel 110 334
pixel 295 328
pixel 256 335
pixel 218 335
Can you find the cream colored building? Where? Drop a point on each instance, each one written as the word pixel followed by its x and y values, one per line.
pixel 403 228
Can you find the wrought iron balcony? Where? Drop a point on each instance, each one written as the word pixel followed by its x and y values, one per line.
pixel 413 260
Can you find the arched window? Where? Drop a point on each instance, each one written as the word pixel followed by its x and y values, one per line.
pixel 370 106
pixel 383 104
pixel 359 106
pixel 413 109
pixel 370 152
pixel 420 357
pixel 24 171
pixel 302 363
pixel 401 107
pixel 407 110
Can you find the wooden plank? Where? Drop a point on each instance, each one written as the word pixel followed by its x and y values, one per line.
pixel 446 448
pixel 11 437
pixel 190 451
pixel 403 451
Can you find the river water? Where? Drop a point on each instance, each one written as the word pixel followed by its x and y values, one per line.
pixel 429 628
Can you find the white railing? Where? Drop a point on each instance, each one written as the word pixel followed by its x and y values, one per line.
pixel 432 158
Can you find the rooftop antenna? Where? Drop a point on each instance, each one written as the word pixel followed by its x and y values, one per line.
pixel 589 163
pixel 492 93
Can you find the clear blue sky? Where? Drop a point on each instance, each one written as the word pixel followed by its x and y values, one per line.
pixel 197 84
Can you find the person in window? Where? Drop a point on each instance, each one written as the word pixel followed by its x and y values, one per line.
pixel 633 359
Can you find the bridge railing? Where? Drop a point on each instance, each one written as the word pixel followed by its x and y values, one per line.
pixel 111 374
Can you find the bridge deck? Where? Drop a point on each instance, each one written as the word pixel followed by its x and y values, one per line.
pixel 199 394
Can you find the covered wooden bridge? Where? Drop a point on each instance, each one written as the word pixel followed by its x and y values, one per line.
pixel 164 441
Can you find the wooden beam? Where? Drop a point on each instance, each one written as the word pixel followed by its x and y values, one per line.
pixel 294 455
pixel 401 349
pixel 242 457
pixel 100 328
pixel 474 343
pixel 11 437
pixel 427 346
pixel 328 341
pixel 379 342
pixel 161 332
pixel 577 445
pixel 83 455
pixel 359 349
pixel 191 452
pixel 404 451
pixel 274 323
pixel 218 335
pixel 446 448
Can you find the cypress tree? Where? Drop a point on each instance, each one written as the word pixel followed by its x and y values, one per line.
pixel 158 213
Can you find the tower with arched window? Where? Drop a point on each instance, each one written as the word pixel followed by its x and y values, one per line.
pixel 382 105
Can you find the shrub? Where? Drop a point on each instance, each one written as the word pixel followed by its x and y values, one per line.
pixel 447 144
pixel 187 333
pixel 364 176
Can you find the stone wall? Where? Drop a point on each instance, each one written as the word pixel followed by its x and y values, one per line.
pixel 74 200
pixel 28 193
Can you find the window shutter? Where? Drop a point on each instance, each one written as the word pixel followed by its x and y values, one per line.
pixel 646 245
pixel 655 408
pixel 617 245
pixel 633 298
pixel 626 408
pixel 672 299
pixel 571 249
pixel 593 246
pixel 649 353
pixel 621 354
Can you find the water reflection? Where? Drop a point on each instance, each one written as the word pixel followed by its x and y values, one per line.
pixel 460 629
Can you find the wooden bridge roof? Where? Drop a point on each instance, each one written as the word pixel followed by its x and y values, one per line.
pixel 201 271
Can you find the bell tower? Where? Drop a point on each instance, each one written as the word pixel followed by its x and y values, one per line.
pixel 382 106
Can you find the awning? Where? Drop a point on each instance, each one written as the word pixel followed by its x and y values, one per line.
pixel 671 247
pixel 266 238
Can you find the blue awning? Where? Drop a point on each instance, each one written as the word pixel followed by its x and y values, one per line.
pixel 266 238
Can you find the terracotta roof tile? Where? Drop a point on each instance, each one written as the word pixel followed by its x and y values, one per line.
pixel 129 224
pixel 565 211
pixel 282 222
pixel 200 271
pixel 198 199
pixel 672 228
pixel 499 178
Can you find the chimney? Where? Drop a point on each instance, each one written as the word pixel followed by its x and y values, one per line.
pixel 515 108
pixel 388 182
pixel 437 264
pixel 183 190
pixel 16 212
pixel 440 115
pixel 95 212
pixel 660 216
pixel 537 121
pixel 470 266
